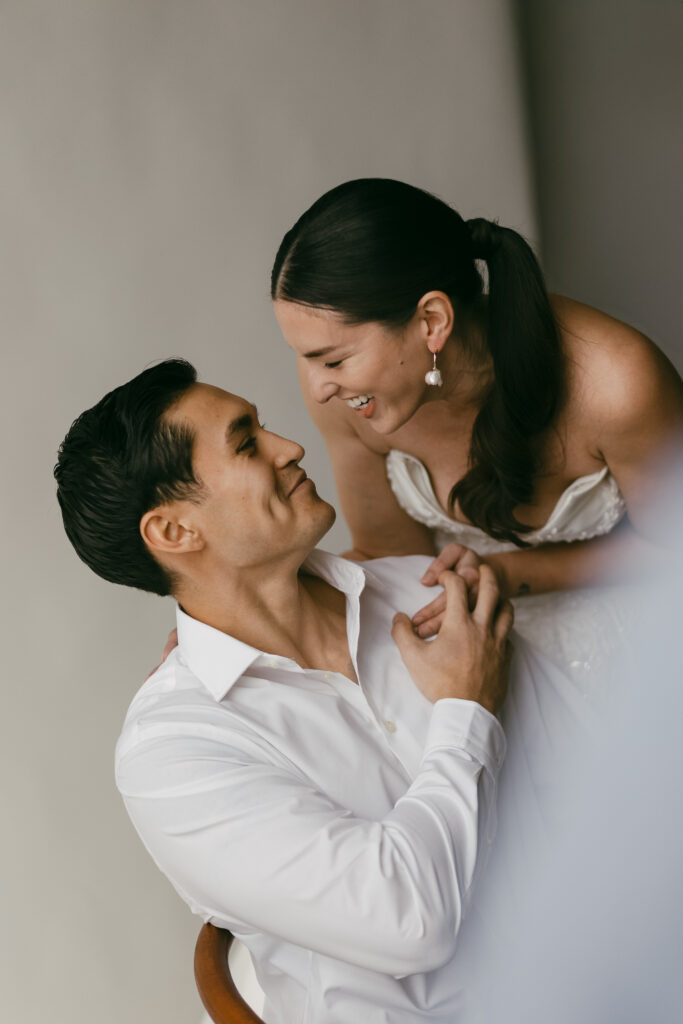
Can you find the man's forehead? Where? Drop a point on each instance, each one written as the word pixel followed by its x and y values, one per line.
pixel 203 402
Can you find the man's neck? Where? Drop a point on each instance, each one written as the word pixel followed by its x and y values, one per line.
pixel 281 611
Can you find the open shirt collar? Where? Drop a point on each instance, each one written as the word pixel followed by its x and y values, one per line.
pixel 218 659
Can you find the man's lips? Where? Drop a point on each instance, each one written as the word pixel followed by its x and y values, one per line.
pixel 301 479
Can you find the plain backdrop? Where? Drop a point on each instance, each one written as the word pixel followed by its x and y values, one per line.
pixel 152 154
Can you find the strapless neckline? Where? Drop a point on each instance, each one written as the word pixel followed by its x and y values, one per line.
pixel 578 629
pixel 589 506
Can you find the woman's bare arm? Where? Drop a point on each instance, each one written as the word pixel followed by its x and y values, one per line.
pixel 621 555
pixel 632 408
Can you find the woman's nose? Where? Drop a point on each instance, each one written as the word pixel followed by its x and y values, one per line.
pixel 322 389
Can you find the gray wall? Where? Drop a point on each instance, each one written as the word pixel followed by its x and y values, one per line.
pixel 604 84
pixel 152 153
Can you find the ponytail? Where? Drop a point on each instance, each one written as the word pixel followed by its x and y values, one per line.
pixel 524 344
pixel 370 249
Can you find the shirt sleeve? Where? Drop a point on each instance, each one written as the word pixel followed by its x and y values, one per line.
pixel 254 847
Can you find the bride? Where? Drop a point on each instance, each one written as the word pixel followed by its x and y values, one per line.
pixel 470 415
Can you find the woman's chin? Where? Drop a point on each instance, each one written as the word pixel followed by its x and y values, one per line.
pixel 387 424
pixel 383 418
pixel 392 419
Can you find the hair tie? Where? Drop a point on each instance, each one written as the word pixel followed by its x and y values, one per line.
pixel 485 236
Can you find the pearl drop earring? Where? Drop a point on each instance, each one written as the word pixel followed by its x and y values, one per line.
pixel 433 376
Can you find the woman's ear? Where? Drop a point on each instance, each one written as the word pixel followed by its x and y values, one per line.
pixel 166 532
pixel 437 318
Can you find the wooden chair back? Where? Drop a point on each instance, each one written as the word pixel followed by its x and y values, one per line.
pixel 217 990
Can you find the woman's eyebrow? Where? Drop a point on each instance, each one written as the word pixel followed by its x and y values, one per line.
pixel 318 352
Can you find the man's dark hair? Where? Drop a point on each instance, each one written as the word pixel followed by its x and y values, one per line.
pixel 120 459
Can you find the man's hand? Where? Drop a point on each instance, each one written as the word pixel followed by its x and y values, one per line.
pixel 470 656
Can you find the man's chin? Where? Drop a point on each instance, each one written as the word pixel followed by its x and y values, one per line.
pixel 328 519
pixel 321 521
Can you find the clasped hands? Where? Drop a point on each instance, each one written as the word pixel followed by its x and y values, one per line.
pixel 470 657
pixel 465 563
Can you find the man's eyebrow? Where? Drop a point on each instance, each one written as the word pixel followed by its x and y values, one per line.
pixel 244 422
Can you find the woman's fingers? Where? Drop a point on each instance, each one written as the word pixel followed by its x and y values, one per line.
pixel 431 615
pixel 446 560
pixel 430 627
pixel 435 607
pixel 470 573
pixel 504 621
pixel 170 644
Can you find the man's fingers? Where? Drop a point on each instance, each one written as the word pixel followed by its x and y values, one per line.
pixel 402 632
pixel 507 658
pixel 455 590
pixel 504 621
pixel 448 557
pixel 487 597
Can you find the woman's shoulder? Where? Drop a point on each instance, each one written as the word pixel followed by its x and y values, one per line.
pixel 615 373
pixel 589 334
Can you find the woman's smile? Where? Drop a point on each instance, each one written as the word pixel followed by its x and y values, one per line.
pixel 364 405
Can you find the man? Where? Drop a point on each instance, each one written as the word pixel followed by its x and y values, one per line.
pixel 303 779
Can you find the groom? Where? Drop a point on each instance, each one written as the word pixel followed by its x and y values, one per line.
pixel 303 779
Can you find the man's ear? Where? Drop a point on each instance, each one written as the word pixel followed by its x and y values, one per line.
pixel 167 532
pixel 437 317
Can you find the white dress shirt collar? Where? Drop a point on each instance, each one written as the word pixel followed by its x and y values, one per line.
pixel 219 660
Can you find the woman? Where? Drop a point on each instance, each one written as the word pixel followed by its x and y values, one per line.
pixel 518 426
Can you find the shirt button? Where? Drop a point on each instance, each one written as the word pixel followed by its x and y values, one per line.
pixel 389 725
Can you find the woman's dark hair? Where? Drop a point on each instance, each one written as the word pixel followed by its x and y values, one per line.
pixel 118 460
pixel 371 248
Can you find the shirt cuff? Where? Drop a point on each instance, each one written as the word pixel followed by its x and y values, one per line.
pixel 467 726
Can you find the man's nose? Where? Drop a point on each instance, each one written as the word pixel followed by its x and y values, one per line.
pixel 286 451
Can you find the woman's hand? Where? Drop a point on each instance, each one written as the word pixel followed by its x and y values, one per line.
pixel 463 561
pixel 471 656
pixel 170 644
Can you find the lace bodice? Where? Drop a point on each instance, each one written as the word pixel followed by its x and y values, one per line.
pixel 591 506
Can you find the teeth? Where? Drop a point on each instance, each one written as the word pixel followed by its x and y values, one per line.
pixel 359 401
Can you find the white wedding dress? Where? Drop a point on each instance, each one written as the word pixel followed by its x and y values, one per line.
pixel 578 629
pixel 554 721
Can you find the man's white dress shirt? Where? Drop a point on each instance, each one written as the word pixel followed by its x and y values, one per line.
pixel 333 827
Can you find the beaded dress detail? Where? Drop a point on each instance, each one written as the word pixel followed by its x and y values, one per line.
pixel 578 629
